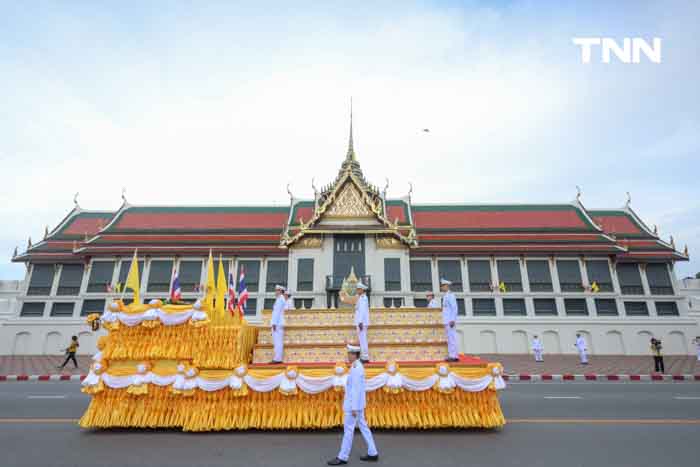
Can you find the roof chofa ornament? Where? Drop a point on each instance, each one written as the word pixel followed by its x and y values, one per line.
pixel 14 255
pixel 685 250
pixel 578 194
pixel 656 230
pixel 75 200
pixel 46 232
pixel 29 243
pixel 629 200
pixel 673 242
pixel 124 201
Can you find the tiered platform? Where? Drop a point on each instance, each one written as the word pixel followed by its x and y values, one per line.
pixel 312 336
pixel 164 366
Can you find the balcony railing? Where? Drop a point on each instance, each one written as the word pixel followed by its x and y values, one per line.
pixel 334 283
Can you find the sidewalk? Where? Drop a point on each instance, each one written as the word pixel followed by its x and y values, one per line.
pixel 512 364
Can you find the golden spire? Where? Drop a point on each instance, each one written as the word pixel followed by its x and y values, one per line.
pixel 351 150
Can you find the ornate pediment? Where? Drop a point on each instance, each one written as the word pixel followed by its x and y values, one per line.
pixel 349 203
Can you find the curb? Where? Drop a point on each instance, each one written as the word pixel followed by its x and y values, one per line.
pixel 598 377
pixel 4 378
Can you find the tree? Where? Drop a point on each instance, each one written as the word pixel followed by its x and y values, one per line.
pixel 697 275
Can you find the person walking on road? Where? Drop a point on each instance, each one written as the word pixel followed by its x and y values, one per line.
pixel 537 348
pixel 354 411
pixel 71 350
pixel 581 346
pixel 658 356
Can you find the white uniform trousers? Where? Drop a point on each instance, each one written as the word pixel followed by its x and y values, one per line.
pixel 364 346
pixel 278 344
pixel 538 355
pixel 583 356
pixel 452 348
pixel 349 423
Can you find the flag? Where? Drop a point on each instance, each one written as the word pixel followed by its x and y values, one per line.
pixel 118 287
pixel 210 287
pixel 221 287
pixel 502 287
pixel 242 293
pixel 594 287
pixel 132 279
pixel 231 294
pixel 176 291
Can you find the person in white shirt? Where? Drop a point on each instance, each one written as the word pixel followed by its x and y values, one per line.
pixel 289 302
pixel 432 301
pixel 277 323
pixel 354 404
pixel 537 348
pixel 581 346
pixel 361 317
pixel 449 319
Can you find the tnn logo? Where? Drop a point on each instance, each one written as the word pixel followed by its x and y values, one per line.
pixel 630 51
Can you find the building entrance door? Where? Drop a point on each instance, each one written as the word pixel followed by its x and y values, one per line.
pixel 348 254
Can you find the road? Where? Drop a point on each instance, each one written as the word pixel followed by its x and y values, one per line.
pixel 550 424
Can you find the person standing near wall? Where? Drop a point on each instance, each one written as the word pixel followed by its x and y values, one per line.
pixel 658 356
pixel 71 350
pixel 537 348
pixel 582 350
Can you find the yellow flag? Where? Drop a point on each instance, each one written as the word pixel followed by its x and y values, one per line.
pixel 132 279
pixel 221 289
pixel 595 288
pixel 502 287
pixel 211 285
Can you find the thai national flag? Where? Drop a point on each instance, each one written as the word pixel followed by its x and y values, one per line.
pixel 231 294
pixel 176 291
pixel 242 292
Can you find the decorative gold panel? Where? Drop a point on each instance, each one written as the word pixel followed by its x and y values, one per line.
pixel 392 243
pixel 349 203
pixel 310 242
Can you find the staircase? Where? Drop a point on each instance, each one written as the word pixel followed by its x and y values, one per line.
pixel 320 336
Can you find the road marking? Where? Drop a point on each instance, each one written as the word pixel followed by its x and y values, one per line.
pixel 48 396
pixel 7 421
pixel 562 397
pixel 687 398
pixel 606 421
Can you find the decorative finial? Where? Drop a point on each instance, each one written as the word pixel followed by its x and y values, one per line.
pixel 673 243
pixel 124 195
pixel 289 192
pixel 313 185
pixel 75 200
pixel 29 243
pixel 685 250
pixel 351 150
pixel 629 200
pixel 656 230
pixel 386 187
pixel 14 255
pixel 578 193
pixel 46 231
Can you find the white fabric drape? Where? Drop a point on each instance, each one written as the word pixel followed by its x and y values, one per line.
pixel 169 319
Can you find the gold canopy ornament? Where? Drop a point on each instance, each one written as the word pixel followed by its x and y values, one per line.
pixel 349 285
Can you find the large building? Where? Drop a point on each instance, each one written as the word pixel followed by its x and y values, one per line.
pixel 517 270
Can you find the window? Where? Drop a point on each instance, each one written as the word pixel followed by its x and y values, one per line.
pixel 269 303
pixel 461 310
pixel 509 274
pixel 62 310
pixel 421 276
pixel 659 279
pixel 303 303
pixel 606 307
pixel 276 275
pixel 160 275
pixel 33 309
pixel 451 269
pixel 630 279
pixel 41 280
pixel 393 302
pixel 545 306
pixel 251 307
pixel 305 275
pixel 190 275
pixel 575 307
pixel 70 280
pixel 514 307
pixel 252 274
pixel 666 309
pixel 636 309
pixel 92 306
pixel 539 276
pixel 484 306
pixel 479 275
pixel 124 270
pixel 392 274
pixel 569 276
pixel 100 276
pixel 420 302
pixel 599 272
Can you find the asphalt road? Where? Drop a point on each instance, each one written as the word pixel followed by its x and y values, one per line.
pixel 550 424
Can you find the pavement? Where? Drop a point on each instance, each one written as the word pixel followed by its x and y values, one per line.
pixel 578 424
pixel 512 364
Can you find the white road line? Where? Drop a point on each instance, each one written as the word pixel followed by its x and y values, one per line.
pixel 687 398
pixel 48 396
pixel 562 397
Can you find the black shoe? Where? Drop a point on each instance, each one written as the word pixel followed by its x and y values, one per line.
pixel 275 362
pixel 369 458
pixel 337 461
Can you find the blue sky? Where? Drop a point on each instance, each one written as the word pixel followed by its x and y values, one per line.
pixel 223 103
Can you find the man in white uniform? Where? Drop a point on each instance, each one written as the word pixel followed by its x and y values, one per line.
pixel 354 412
pixel 277 322
pixel 361 317
pixel 449 319
pixel 537 348
pixel 432 301
pixel 581 346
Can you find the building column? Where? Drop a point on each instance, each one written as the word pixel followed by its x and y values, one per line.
pixel 556 287
pixel 497 296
